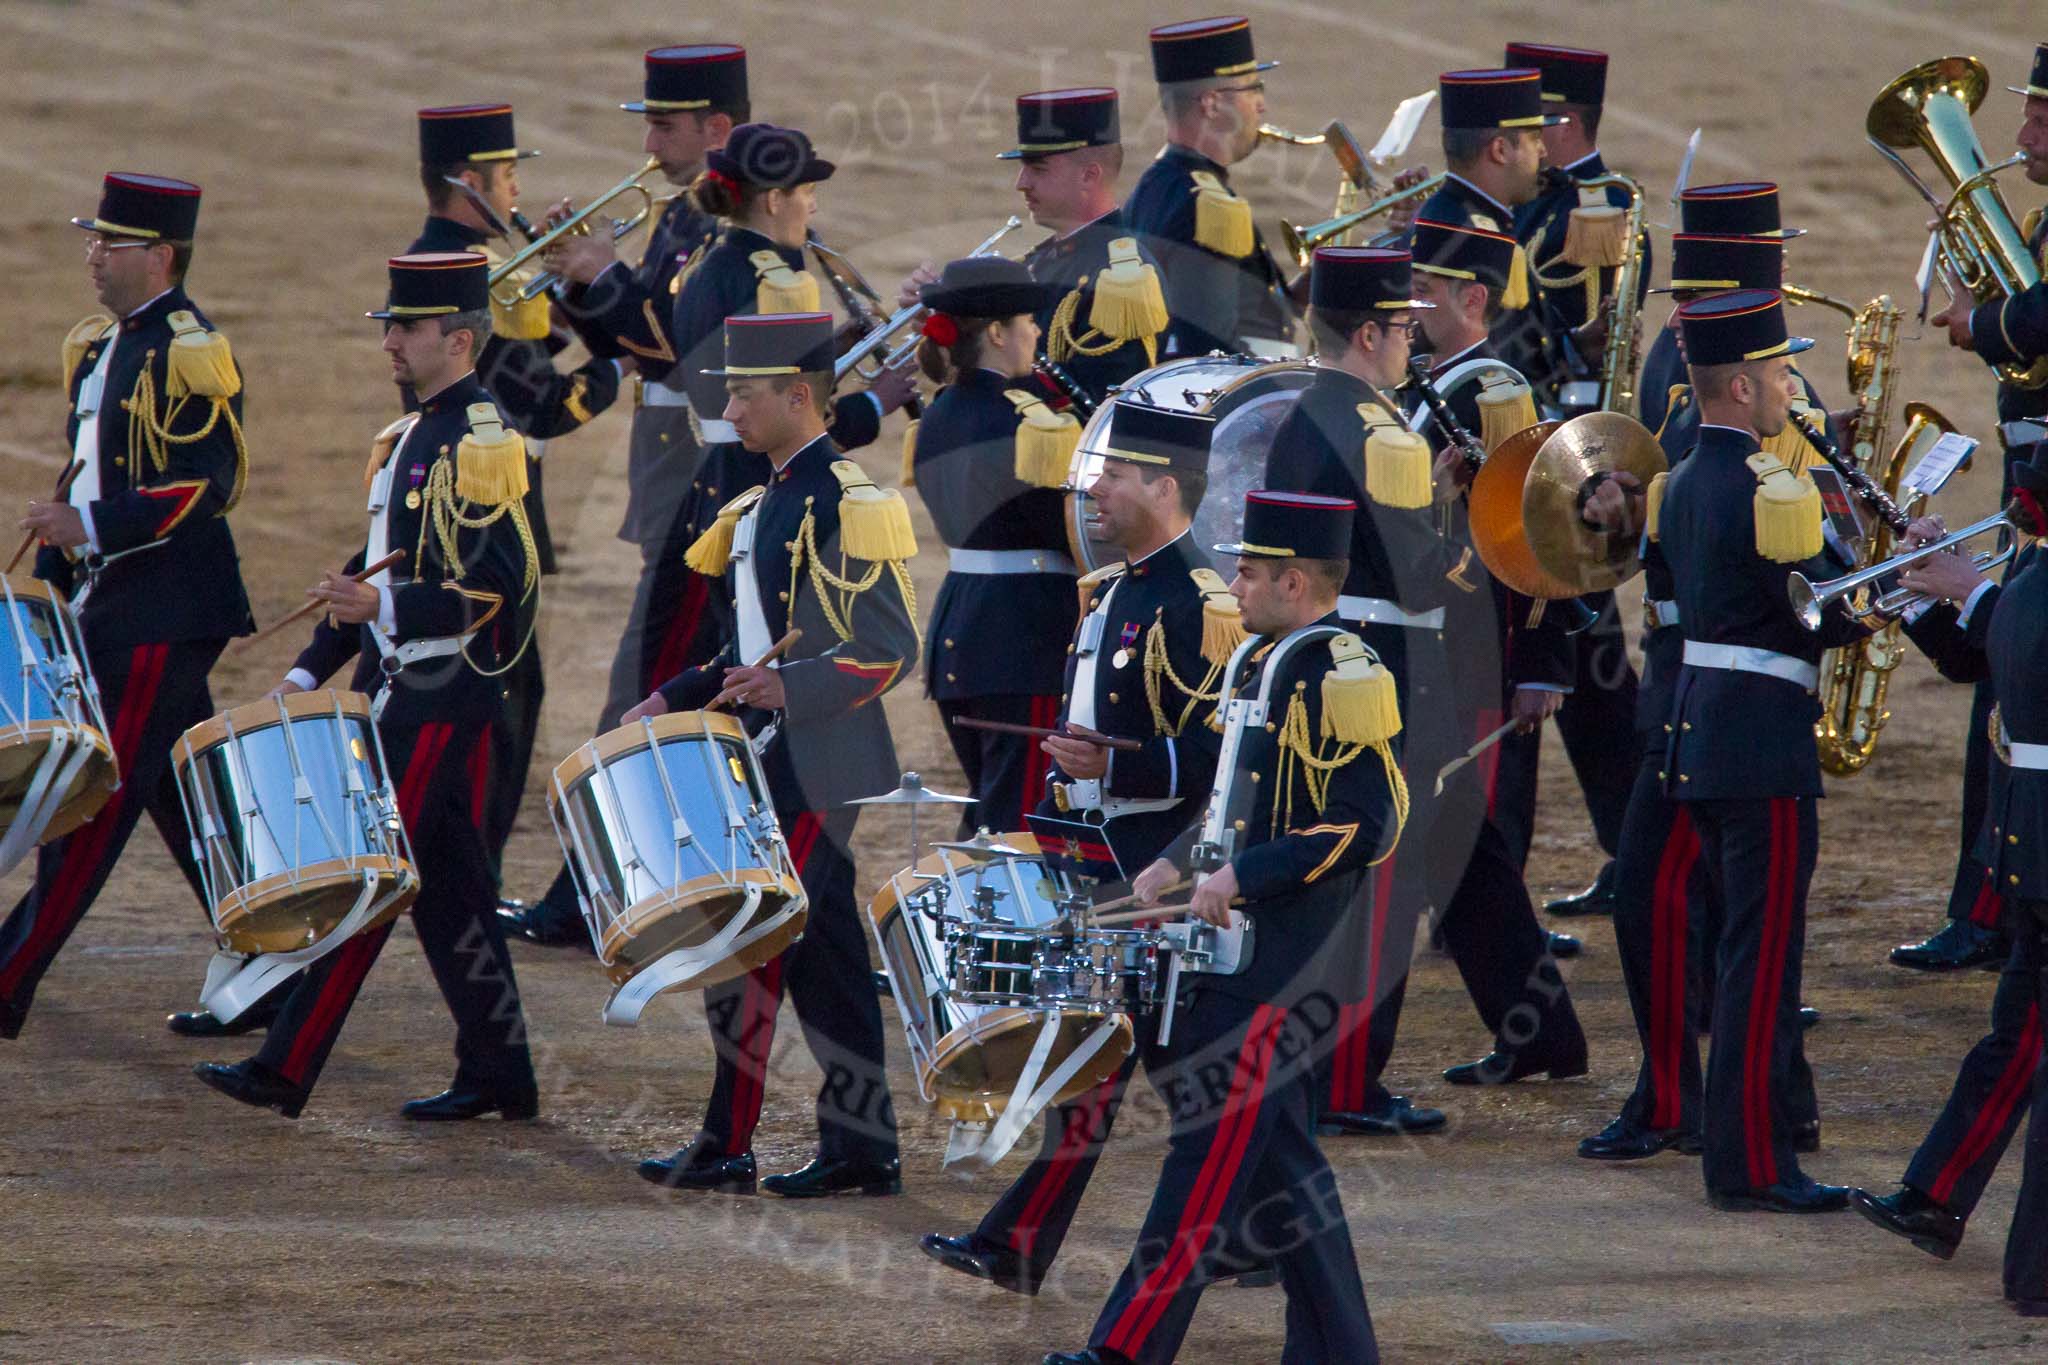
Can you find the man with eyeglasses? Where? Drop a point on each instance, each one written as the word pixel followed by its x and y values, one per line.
pixel 1223 288
pixel 155 428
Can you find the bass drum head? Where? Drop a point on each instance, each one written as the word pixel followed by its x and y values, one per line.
pixel 976 1067
pixel 1248 396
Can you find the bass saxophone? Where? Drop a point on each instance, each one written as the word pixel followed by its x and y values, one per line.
pixel 1855 677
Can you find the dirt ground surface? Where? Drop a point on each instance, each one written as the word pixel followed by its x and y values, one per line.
pixel 142 1217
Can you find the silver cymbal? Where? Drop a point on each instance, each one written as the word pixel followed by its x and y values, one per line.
pixel 983 847
pixel 912 792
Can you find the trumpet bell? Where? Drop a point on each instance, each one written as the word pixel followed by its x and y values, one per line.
pixel 1806 603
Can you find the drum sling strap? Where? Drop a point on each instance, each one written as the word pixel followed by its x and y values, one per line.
pixel 974 1147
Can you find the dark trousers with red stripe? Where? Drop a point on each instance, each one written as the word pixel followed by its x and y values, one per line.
pixel 150 694
pixel 1597 721
pixel 1973 896
pixel 2026 1246
pixel 455 918
pixel 1243 1183
pixel 1005 773
pixel 1030 1219
pixel 826 974
pixel 1662 886
pixel 1761 854
pixel 1367 1025
pixel 1996 1085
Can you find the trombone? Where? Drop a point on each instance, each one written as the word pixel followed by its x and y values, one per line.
pixel 1811 600
pixel 1303 239
pixel 884 331
pixel 506 288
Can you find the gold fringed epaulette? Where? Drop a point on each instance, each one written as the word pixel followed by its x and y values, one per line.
pixel 1223 222
pixel 1596 237
pixel 906 474
pixel 1790 446
pixel 1397 462
pixel 1222 626
pixel 1788 512
pixel 1088 582
pixel 874 523
pixel 1506 406
pixel 386 442
pixel 1361 705
pixel 1653 502
pixel 490 462
pixel 1128 304
pixel 524 320
pixel 779 288
pixel 79 340
pixel 1516 295
pixel 1046 441
pixel 709 553
pixel 199 362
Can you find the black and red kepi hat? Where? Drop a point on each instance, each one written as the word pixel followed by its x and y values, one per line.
pixel 776 343
pixel 1286 525
pixel 468 132
pixel 1053 121
pixel 1571 75
pixel 1204 50
pixel 700 76
pixel 435 284
pixel 151 207
pixel 1729 329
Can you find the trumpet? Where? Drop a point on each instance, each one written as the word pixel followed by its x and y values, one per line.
pixel 881 333
pixel 1303 239
pixel 507 289
pixel 1811 600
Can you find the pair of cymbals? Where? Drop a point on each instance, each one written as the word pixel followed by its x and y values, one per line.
pixel 1524 504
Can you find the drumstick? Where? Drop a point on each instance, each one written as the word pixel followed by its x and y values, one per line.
pixel 768 656
pixel 309 608
pixel 71 472
pixel 1095 913
pixel 1153 912
pixel 1007 727
pixel 1444 773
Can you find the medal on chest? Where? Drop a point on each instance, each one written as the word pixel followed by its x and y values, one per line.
pixel 1126 637
pixel 415 476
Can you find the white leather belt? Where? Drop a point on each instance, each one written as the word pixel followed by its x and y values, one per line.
pixel 1745 659
pixel 412 651
pixel 1008 561
pixel 1658 613
pixel 2030 756
pixel 2022 432
pixel 658 395
pixel 1380 612
pixel 1087 796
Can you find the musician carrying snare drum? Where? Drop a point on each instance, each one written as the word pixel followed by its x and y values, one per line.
pixel 155 433
pixel 819 549
pixel 430 638
pixel 1144 665
pixel 1307 796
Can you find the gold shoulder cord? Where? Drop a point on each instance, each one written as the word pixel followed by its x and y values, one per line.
pixel 157 438
pixel 1061 344
pixel 1158 664
pixel 447 516
pixel 1303 756
pixel 824 582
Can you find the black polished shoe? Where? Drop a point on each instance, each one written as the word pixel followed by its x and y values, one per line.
pixel 1626 1140
pixel 699 1167
pixel 2030 1308
pixel 253 1083
pixel 1913 1216
pixel 454 1105
pixel 1803 1195
pixel 1958 945
pixel 1809 1017
pixel 206 1024
pixel 11 1020
pixel 1094 1355
pixel 1003 1269
pixel 1504 1068
pixel 1806 1137
pixel 1564 945
pixel 1597 899
pixel 1265 1277
pixel 833 1175
pixel 536 923
pixel 1397 1116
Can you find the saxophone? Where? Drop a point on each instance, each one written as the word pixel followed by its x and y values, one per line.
pixel 1621 358
pixel 1855 677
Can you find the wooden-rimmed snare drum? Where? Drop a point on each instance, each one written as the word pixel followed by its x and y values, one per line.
pixel 57 768
pixel 680 865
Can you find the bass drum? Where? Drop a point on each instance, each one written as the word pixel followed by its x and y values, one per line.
pixel 1249 397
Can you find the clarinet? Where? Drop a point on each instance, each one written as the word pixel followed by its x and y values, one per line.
pixel 1061 380
pixel 1860 483
pixel 1454 432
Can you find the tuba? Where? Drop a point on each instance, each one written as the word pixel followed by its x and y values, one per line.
pixel 1929 107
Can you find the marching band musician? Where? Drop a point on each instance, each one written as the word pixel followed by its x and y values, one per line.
pixel 1224 290
pixel 818 548
pixel 1493 122
pixel 1573 262
pixel 991 463
pixel 1344 438
pixel 1980 627
pixel 1106 318
pixel 1311 802
pixel 155 431
pixel 1739 750
pixel 2007 331
pixel 430 640
pixel 1156 631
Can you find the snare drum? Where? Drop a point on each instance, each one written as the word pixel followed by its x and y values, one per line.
pixel 297 833
pixel 56 767
pixel 963 967
pixel 680 865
